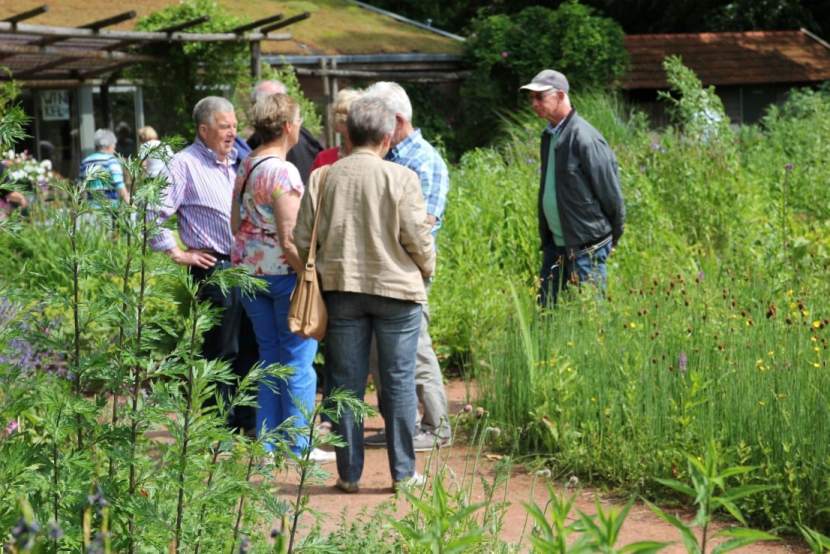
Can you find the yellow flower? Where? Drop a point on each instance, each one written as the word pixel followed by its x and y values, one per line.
pixel 816 364
pixel 816 324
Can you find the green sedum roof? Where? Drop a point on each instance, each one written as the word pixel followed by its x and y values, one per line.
pixel 335 26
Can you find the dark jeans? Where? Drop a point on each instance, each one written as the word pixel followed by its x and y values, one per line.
pixel 353 319
pixel 560 270
pixel 232 340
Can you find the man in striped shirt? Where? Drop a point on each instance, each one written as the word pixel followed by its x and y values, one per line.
pixel 201 180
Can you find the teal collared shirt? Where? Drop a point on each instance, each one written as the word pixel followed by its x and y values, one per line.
pixel 550 206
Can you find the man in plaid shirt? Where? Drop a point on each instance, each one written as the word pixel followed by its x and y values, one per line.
pixel 409 149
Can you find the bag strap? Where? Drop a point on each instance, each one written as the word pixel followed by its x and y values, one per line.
pixel 248 176
pixel 312 248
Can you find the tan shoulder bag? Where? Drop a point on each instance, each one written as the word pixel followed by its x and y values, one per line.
pixel 307 314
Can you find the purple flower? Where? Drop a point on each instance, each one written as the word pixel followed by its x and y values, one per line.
pixel 12 427
pixel 789 167
pixel 682 362
pixel 505 54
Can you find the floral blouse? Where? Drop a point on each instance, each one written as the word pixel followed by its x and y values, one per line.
pixel 256 245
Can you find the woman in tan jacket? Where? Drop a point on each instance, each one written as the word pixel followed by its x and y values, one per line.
pixel 374 250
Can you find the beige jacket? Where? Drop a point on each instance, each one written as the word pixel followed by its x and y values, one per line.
pixel 373 235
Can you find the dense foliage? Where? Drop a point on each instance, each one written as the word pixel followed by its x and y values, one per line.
pixel 189 71
pixel 505 52
pixel 715 326
pixel 642 16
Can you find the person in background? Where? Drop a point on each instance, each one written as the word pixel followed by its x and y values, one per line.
pixel 411 150
pixel 581 209
pixel 266 199
pixel 302 154
pixel 340 108
pixel 106 176
pixel 374 252
pixel 201 180
pixel 154 156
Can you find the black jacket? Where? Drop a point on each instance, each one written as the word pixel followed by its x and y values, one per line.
pixel 588 192
pixel 302 155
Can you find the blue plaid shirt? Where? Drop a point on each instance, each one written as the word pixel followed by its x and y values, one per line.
pixel 418 155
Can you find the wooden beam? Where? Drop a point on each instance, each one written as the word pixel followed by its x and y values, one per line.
pixel 13 49
pixel 141 36
pixel 33 71
pixel 257 23
pixel 102 70
pixel 285 22
pixel 256 56
pixel 108 21
pixel 171 29
pixel 416 76
pixel 28 14
pixel 184 25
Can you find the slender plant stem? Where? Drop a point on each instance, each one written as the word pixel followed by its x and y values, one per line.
pixel 241 503
pixel 300 487
pixel 125 290
pixel 76 315
pixel 186 427
pixel 138 376
pixel 527 513
pixel 204 504
pixel 56 475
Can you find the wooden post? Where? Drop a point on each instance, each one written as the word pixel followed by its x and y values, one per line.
pixel 327 98
pixel 335 138
pixel 138 105
pixel 36 120
pixel 256 56
pixel 86 121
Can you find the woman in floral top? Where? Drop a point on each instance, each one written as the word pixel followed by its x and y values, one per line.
pixel 265 204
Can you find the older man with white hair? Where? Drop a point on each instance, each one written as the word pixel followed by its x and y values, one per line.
pixel 106 176
pixel 201 180
pixel 302 154
pixel 410 149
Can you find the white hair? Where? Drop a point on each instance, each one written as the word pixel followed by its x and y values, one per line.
pixel 205 108
pixel 394 95
pixel 371 118
pixel 104 138
pixel 266 88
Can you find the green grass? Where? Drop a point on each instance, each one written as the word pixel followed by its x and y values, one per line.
pixel 723 262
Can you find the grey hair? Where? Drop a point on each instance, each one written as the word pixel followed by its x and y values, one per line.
pixel 205 108
pixel 394 95
pixel 266 88
pixel 104 138
pixel 370 120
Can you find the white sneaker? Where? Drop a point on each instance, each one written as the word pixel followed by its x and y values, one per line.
pixel 322 456
pixel 417 480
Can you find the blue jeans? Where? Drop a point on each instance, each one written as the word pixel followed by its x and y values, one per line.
pixel 558 271
pixel 268 311
pixel 353 319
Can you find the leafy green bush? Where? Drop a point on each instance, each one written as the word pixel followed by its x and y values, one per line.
pixel 507 51
pixel 191 70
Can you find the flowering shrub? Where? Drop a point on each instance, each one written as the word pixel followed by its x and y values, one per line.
pixel 23 171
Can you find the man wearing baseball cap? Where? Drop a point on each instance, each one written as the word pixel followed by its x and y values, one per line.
pixel 581 209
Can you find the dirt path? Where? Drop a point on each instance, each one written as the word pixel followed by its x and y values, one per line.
pixel 375 489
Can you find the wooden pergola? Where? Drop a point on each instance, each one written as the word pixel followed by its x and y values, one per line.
pixel 42 55
pixel 50 57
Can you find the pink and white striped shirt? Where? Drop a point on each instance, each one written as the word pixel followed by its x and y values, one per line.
pixel 200 192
